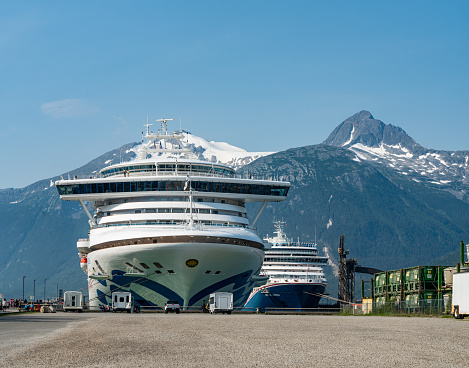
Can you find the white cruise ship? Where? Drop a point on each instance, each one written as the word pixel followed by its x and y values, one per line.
pixel 170 227
pixel 295 275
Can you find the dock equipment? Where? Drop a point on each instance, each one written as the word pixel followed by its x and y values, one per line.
pixel 346 274
pixel 347 269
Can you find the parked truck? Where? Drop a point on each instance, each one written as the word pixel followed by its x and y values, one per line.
pixel 460 295
pixel 221 302
pixel 122 301
pixel 73 301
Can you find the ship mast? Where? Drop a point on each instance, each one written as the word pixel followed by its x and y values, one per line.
pixel 157 142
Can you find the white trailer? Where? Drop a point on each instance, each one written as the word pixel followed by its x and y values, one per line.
pixel 221 302
pixel 73 301
pixel 122 301
pixel 460 295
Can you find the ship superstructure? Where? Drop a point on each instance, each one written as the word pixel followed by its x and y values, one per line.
pixel 294 273
pixel 169 226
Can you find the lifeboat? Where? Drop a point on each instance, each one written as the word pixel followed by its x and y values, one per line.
pixel 84 264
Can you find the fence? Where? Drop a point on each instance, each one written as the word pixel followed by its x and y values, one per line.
pixel 417 307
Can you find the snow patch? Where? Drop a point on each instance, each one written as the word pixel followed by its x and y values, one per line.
pixel 382 150
pixel 351 136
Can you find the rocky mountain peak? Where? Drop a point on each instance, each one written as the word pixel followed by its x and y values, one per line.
pixel 363 129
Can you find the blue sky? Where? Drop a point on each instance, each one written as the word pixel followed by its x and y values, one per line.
pixel 77 79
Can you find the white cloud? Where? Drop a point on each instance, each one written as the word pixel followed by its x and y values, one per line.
pixel 68 108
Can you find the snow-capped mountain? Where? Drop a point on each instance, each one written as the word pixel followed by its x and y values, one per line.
pixel 372 140
pixel 218 152
pixel 221 152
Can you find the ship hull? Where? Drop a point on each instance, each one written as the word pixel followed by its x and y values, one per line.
pixel 287 296
pixel 186 272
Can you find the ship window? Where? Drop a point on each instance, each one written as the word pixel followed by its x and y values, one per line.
pixel 178 210
pixel 202 186
pixel 138 211
pixel 217 273
pixel 158 272
pixel 157 265
pixel 144 265
pixel 214 212
pixel 155 241
pixel 171 272
pixel 207 272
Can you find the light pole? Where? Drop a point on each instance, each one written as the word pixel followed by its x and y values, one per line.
pixel 23 286
pixel 34 290
pixel 57 292
pixel 45 289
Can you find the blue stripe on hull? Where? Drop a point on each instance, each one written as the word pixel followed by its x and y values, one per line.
pixel 240 285
pixel 292 296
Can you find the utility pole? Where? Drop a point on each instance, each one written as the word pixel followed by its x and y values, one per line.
pixel 45 289
pixel 23 286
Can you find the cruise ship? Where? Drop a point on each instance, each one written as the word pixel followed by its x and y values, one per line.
pixel 168 226
pixel 295 275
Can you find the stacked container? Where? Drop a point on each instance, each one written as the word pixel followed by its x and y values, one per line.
pixel 414 288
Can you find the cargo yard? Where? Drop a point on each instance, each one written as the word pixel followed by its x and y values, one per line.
pixel 239 340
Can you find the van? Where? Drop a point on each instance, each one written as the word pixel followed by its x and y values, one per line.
pixel 221 302
pixel 73 301
pixel 122 301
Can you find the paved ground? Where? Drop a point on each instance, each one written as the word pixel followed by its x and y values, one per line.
pixel 204 340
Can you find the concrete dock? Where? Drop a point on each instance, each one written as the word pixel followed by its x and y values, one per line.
pixel 203 340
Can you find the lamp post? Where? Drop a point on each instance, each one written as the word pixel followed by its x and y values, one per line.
pixel 23 286
pixel 34 292
pixel 57 292
pixel 45 289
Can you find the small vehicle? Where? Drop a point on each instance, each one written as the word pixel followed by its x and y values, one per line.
pixel 122 301
pixel 460 295
pixel 221 302
pixel 73 301
pixel 172 306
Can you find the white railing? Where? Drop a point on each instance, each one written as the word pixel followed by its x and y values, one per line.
pixel 184 174
pixel 175 225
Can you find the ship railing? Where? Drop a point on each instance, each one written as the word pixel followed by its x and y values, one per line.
pixel 182 174
pixel 177 225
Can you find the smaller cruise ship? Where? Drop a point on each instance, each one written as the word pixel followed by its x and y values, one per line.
pixel 294 275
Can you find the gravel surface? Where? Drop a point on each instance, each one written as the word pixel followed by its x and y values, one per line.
pixel 204 340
